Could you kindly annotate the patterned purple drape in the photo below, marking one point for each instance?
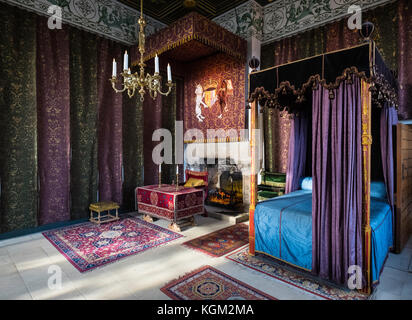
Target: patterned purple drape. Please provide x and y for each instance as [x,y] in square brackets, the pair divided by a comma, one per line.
[337,181]
[389,118]
[297,153]
[405,59]
[109,124]
[152,110]
[53,112]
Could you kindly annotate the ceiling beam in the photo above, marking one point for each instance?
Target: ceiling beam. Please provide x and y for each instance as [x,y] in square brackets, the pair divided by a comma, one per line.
[207,6]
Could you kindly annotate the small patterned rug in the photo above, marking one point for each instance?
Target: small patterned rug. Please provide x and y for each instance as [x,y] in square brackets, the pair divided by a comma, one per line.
[294,278]
[208,283]
[221,242]
[88,246]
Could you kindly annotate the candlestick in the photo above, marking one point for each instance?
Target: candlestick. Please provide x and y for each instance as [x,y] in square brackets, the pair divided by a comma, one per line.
[177,178]
[177,169]
[160,175]
[114,68]
[169,73]
[126,61]
[156,64]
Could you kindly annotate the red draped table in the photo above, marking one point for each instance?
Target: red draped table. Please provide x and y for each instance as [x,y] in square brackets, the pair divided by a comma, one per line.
[170,203]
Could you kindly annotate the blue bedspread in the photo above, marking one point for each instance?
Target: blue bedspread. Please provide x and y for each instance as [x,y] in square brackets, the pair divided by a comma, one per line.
[382,236]
[283,229]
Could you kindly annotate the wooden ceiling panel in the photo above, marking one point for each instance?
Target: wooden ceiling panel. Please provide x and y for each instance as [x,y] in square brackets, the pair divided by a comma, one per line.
[168,11]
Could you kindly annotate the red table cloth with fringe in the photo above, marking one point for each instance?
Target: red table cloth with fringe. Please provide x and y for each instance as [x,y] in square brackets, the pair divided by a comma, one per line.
[167,202]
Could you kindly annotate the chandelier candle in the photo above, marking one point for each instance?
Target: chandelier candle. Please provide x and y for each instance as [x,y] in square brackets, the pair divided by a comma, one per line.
[126,61]
[114,68]
[169,73]
[156,64]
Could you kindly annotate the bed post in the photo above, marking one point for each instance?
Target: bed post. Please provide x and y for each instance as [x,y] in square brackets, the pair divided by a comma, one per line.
[253,176]
[366,162]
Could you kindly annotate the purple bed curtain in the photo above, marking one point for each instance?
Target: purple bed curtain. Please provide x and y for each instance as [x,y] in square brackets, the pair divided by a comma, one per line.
[53,113]
[389,118]
[297,153]
[337,181]
[109,125]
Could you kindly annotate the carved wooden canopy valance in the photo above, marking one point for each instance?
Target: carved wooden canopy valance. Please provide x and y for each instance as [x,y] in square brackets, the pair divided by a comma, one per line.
[288,87]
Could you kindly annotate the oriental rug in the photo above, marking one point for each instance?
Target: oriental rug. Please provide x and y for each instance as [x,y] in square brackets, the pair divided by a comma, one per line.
[221,242]
[293,278]
[88,246]
[208,283]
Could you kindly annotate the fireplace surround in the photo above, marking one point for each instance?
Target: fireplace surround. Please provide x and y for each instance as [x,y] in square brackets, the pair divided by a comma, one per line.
[228,170]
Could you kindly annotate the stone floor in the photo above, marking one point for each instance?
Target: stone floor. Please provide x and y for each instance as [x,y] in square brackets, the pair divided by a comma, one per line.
[25,262]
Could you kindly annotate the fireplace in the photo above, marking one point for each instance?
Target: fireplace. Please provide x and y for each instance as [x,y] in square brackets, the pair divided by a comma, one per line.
[228,167]
[225,187]
[225,182]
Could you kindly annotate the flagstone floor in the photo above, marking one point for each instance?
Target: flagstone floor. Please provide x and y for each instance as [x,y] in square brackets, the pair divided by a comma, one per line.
[25,264]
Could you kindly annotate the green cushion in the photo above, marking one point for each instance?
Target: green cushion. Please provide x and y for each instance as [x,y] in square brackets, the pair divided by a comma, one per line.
[274,179]
[268,194]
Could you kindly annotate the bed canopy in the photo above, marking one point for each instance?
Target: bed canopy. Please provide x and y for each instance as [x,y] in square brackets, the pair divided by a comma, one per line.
[287,86]
[339,90]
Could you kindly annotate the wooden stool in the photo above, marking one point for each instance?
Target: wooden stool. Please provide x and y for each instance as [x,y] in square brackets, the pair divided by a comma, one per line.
[100,207]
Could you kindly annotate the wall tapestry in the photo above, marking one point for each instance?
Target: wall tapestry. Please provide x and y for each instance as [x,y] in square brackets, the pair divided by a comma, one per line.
[215,96]
[51,161]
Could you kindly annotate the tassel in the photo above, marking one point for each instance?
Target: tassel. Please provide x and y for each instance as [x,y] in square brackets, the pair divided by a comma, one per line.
[350,79]
[331,95]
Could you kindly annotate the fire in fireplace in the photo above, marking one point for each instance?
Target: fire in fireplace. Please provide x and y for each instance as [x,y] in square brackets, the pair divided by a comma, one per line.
[228,191]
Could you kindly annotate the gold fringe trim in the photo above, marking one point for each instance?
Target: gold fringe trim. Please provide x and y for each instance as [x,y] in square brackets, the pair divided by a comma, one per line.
[216,140]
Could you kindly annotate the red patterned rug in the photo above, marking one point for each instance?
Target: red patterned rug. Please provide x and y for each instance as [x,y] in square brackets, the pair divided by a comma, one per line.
[88,245]
[293,278]
[221,242]
[208,283]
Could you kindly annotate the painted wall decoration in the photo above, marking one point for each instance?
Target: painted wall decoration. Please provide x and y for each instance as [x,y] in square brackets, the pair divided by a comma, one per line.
[245,20]
[283,18]
[107,18]
[215,95]
[276,20]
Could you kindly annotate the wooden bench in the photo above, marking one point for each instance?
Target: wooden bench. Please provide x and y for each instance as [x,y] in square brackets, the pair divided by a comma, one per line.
[102,207]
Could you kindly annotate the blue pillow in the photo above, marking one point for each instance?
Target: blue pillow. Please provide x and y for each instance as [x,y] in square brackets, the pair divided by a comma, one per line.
[378,189]
[306,183]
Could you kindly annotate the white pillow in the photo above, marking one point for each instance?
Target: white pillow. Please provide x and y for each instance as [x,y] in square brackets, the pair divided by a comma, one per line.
[306,183]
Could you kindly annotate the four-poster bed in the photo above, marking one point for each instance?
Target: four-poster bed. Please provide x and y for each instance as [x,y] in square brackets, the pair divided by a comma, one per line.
[337,224]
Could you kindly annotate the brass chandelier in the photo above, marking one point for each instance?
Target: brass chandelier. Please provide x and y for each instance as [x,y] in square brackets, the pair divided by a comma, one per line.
[136,81]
